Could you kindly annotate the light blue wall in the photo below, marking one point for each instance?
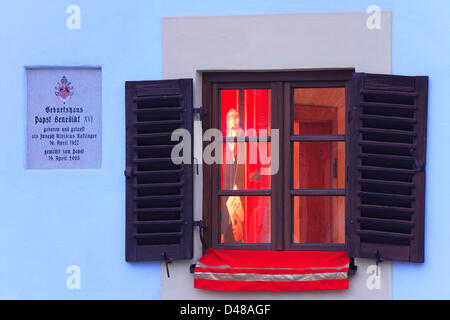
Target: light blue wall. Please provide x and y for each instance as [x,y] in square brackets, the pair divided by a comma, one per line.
[52,219]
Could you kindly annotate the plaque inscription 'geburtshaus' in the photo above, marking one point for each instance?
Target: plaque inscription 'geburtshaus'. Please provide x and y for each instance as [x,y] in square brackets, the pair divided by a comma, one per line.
[64,123]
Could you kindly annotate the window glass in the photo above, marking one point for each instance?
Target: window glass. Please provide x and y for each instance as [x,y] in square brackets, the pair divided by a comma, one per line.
[318,111]
[318,165]
[245,166]
[245,112]
[245,219]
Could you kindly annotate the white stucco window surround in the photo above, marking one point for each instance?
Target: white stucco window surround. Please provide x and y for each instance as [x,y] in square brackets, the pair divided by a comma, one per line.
[192,45]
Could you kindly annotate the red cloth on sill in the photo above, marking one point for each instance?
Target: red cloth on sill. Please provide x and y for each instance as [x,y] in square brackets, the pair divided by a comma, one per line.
[254,270]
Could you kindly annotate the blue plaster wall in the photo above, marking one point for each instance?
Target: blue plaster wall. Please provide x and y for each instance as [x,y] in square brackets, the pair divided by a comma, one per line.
[52,219]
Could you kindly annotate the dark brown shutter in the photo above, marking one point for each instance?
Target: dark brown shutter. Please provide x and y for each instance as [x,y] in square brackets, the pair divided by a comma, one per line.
[386,203]
[158,192]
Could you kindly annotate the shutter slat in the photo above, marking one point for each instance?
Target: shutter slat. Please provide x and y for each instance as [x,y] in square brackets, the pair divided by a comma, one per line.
[158,235]
[150,160]
[388,144]
[158,172]
[158,222]
[388,92]
[389,83]
[395,170]
[386,184]
[388,105]
[154,147]
[159,192]
[158,210]
[385,234]
[154,135]
[387,222]
[159,110]
[157,185]
[388,119]
[156,122]
[387,195]
[165,197]
[156,98]
[385,157]
[385,208]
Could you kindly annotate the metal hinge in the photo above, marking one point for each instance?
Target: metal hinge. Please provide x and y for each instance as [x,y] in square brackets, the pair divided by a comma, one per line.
[199,111]
[377,259]
[128,172]
[200,226]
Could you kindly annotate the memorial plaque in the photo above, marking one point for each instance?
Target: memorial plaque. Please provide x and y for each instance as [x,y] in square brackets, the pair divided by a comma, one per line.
[64,119]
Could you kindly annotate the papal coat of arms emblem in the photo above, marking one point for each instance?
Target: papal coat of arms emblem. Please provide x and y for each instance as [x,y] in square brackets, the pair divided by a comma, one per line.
[64,90]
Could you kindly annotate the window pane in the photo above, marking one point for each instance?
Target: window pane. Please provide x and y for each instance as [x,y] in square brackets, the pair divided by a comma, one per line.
[245,166]
[318,165]
[245,110]
[319,111]
[245,219]
[318,219]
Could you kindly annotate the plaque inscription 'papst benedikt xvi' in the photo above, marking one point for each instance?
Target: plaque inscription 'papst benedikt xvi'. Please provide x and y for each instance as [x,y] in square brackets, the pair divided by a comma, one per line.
[64,118]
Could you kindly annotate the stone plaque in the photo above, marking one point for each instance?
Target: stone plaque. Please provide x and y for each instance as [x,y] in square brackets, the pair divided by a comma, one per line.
[64,118]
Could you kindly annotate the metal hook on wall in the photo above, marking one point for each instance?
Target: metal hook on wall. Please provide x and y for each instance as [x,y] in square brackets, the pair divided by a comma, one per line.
[167,261]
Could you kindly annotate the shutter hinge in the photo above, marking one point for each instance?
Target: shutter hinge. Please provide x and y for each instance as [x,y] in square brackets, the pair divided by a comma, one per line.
[199,111]
[200,226]
[377,259]
[349,114]
[128,172]
[352,267]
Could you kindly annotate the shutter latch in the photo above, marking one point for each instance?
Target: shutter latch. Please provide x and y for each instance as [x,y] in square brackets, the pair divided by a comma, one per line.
[199,111]
[167,261]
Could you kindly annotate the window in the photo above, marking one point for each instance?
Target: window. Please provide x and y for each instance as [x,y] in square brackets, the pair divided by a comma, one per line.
[315,162]
[346,178]
[302,206]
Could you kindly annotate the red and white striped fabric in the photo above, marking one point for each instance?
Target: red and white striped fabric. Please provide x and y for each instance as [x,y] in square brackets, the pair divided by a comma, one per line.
[250,270]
